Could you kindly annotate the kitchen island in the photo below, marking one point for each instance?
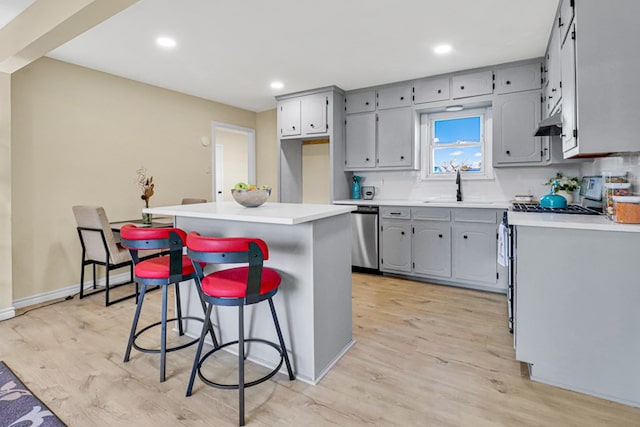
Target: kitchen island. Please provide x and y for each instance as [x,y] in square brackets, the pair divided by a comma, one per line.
[576,303]
[310,246]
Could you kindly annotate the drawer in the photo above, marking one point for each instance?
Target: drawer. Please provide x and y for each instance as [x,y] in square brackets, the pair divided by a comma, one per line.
[395,212]
[432,214]
[360,102]
[489,216]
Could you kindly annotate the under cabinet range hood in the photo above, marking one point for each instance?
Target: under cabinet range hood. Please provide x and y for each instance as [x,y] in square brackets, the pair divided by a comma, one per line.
[552,125]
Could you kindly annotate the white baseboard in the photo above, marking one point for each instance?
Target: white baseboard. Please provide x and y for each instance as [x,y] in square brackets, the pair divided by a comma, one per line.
[62,292]
[7,313]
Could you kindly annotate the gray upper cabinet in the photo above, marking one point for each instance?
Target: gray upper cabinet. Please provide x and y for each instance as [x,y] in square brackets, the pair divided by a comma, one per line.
[395,137]
[568,67]
[303,116]
[515,118]
[473,84]
[431,90]
[565,19]
[394,97]
[600,78]
[552,93]
[360,102]
[519,78]
[314,114]
[289,115]
[360,141]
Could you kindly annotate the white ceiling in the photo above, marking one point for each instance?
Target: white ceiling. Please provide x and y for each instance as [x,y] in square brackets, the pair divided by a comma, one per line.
[229,51]
[9,9]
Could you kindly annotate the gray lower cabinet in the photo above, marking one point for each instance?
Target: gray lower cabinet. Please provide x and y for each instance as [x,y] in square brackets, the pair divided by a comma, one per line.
[395,245]
[474,253]
[432,248]
[451,246]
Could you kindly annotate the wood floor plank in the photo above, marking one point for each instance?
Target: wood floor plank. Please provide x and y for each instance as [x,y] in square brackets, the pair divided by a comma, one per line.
[426,355]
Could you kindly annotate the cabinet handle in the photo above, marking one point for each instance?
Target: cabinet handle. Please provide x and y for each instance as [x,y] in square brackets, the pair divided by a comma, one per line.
[402,232]
[461,87]
[312,125]
[508,152]
[401,157]
[508,82]
[439,90]
[440,236]
[465,236]
[395,213]
[402,98]
[550,96]
[293,127]
[553,89]
[366,160]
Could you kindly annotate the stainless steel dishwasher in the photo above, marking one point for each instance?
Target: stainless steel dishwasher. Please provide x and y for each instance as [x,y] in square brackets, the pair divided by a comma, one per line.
[364,238]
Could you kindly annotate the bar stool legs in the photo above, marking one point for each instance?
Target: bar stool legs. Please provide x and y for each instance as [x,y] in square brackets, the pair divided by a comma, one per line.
[134,334]
[241,385]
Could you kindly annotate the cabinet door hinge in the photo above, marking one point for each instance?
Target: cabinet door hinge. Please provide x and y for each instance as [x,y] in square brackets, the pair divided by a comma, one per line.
[381,261]
[327,100]
[327,126]
[413,230]
[572,3]
[381,228]
[345,121]
[493,85]
[573,35]
[413,265]
[497,276]
[575,133]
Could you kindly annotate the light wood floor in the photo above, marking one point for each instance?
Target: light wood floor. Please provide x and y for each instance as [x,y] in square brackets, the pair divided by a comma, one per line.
[425,355]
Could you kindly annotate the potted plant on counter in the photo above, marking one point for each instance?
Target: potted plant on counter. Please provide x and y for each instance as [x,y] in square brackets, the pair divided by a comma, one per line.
[565,185]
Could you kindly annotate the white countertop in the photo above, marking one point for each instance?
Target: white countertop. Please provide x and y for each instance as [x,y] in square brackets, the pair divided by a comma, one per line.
[581,222]
[269,213]
[436,203]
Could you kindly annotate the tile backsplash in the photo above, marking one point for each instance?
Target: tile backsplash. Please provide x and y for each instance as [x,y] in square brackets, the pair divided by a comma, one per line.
[507,182]
[625,163]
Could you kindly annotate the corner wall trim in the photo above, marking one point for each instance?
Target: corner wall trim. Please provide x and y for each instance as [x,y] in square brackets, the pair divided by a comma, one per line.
[7,313]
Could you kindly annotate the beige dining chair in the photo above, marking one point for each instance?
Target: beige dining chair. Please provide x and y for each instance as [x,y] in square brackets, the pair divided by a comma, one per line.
[99,247]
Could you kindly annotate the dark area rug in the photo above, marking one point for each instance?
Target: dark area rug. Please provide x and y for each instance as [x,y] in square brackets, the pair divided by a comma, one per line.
[19,407]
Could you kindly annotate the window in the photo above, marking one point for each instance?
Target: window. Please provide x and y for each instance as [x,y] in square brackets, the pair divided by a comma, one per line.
[453,141]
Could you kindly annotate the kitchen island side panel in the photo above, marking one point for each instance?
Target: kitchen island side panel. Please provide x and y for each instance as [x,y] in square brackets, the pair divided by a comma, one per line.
[292,252]
[332,290]
[577,317]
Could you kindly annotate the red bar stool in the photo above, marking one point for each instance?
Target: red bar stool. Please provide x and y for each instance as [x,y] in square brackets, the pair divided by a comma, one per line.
[161,271]
[238,286]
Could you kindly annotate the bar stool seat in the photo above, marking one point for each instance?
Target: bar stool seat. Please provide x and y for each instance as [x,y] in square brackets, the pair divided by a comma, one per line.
[236,286]
[162,271]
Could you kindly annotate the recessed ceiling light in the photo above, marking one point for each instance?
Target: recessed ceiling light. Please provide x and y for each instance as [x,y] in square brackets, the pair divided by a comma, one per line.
[277,85]
[166,42]
[443,48]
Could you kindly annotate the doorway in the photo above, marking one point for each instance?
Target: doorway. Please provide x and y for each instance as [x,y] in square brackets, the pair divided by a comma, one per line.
[233,158]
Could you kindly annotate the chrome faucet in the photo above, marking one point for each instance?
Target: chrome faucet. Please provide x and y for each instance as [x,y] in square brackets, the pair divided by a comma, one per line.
[458,188]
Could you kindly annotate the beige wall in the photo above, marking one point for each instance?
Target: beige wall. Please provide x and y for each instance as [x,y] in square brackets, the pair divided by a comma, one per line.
[6,292]
[315,173]
[267,151]
[78,137]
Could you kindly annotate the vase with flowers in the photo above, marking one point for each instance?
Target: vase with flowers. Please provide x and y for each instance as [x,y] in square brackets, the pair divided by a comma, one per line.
[564,185]
[146,186]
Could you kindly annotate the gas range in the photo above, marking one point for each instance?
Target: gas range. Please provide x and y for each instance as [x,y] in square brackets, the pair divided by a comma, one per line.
[536,208]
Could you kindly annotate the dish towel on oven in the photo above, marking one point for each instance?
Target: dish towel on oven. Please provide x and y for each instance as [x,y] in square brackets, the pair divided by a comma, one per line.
[503,238]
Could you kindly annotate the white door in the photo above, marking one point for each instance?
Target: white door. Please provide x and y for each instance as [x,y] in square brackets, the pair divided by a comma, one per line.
[233,159]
